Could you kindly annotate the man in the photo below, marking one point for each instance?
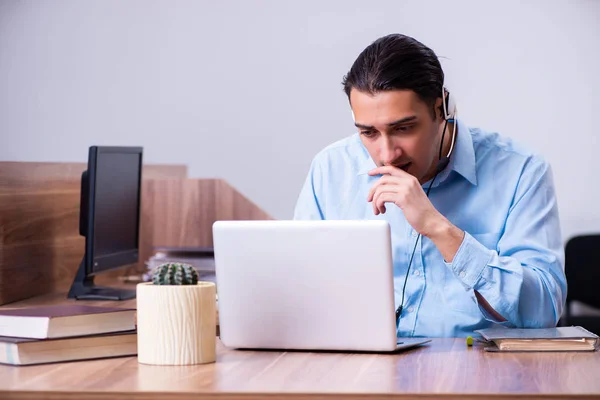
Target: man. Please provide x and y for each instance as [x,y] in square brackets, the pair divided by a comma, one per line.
[476,241]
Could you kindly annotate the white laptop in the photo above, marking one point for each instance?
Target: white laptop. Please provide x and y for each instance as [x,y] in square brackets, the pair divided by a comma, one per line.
[306,285]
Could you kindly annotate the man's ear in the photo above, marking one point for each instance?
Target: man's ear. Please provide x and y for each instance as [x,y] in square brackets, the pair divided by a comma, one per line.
[439,110]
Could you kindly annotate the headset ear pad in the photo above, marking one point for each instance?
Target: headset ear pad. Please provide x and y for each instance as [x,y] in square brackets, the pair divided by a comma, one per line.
[450,105]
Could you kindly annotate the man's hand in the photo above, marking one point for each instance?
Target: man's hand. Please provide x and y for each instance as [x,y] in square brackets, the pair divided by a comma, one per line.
[405,191]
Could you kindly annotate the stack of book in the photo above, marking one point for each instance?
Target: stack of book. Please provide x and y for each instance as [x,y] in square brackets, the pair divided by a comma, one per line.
[48,334]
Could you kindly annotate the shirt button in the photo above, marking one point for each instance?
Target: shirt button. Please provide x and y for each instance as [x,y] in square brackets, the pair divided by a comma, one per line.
[410,309]
[416,272]
[462,274]
[414,233]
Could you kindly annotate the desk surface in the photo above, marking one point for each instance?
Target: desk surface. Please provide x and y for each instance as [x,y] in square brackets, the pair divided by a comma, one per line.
[444,367]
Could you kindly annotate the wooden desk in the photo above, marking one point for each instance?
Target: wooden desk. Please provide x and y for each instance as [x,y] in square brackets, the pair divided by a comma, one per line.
[444,368]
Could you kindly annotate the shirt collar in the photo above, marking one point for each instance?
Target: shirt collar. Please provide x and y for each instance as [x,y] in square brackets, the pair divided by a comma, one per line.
[462,159]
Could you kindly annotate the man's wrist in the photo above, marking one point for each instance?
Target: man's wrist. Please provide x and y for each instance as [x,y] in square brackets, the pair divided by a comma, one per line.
[447,238]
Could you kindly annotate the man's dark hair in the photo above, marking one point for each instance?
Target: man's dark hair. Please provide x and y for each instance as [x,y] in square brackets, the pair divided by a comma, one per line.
[397,62]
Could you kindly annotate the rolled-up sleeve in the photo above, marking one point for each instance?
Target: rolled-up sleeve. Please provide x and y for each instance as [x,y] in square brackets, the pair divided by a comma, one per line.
[523,279]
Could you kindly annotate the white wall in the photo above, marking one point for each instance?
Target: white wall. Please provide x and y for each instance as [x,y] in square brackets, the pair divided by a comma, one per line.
[250,90]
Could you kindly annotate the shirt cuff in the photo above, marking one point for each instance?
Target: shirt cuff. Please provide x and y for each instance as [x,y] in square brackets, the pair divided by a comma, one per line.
[470,260]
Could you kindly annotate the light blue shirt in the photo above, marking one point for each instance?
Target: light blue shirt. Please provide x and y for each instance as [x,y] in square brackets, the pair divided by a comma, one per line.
[500,194]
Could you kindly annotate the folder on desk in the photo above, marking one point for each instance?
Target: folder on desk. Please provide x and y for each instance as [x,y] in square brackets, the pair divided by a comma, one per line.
[567,338]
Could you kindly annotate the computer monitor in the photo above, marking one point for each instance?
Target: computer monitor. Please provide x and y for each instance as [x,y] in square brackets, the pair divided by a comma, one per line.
[109,219]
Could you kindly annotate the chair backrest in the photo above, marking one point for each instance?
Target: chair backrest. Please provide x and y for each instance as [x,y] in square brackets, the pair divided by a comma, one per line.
[582,268]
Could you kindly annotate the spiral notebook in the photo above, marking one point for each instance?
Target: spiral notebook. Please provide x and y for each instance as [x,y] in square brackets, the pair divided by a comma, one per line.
[565,338]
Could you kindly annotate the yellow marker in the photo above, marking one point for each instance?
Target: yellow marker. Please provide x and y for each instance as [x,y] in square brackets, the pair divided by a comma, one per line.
[469,341]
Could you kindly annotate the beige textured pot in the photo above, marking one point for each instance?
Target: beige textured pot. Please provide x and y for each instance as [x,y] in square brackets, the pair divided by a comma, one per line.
[176,324]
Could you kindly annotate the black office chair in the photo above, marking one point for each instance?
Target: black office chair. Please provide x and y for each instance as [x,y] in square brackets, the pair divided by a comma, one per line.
[582,268]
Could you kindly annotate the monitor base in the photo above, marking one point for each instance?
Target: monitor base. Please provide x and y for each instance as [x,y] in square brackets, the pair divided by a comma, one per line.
[83,288]
[106,293]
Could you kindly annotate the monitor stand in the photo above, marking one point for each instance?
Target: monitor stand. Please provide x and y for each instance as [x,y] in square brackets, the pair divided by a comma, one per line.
[83,288]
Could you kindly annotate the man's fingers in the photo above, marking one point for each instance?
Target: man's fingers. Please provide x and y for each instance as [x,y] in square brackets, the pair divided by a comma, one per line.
[384,180]
[386,197]
[389,191]
[389,170]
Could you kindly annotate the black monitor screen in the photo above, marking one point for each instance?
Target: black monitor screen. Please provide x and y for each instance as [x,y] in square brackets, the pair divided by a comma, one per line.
[116,203]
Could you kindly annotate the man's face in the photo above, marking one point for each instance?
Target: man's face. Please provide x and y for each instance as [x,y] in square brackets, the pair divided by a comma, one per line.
[398,129]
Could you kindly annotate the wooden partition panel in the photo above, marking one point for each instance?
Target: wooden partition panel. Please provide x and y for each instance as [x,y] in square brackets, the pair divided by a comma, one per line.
[180,212]
[40,244]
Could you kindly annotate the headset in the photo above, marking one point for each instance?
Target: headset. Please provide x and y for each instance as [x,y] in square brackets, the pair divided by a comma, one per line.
[450,115]
[450,112]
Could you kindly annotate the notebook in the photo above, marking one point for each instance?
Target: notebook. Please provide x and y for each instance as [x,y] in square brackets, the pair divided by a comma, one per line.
[21,351]
[57,321]
[565,338]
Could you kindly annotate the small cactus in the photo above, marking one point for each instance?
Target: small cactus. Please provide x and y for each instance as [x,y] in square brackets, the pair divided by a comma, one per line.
[175,274]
